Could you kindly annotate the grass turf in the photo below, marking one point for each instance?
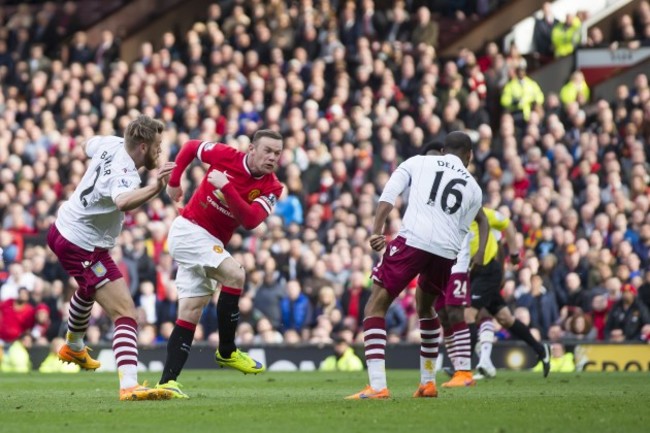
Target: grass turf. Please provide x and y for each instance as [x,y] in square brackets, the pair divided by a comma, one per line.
[227,401]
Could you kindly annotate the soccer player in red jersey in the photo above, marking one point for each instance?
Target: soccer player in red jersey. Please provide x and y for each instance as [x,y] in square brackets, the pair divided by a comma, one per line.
[84,232]
[239,189]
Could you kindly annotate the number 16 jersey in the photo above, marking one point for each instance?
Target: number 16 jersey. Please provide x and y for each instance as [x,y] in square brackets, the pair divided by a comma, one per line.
[442,202]
[90,219]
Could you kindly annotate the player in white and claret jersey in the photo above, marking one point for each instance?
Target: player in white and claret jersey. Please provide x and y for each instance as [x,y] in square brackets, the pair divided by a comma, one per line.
[84,232]
[443,201]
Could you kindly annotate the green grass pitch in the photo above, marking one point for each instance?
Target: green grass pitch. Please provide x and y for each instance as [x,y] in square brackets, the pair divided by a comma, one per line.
[227,401]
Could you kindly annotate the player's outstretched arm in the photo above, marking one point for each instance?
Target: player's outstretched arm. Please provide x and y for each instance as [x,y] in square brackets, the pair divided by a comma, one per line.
[483,231]
[136,198]
[183,159]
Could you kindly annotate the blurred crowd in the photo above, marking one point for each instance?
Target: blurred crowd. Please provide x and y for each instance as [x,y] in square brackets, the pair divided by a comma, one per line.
[354,91]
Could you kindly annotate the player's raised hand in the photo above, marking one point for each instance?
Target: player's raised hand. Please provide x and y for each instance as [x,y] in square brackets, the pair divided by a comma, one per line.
[162,176]
[377,242]
[218,178]
[175,193]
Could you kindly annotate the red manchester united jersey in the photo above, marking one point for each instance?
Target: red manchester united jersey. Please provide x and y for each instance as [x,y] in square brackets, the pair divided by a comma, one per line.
[208,207]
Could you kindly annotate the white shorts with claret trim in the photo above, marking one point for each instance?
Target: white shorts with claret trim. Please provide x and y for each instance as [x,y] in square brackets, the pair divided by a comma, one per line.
[195,249]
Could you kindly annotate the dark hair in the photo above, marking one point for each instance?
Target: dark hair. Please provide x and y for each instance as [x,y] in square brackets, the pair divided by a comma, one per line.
[433,146]
[142,129]
[458,143]
[266,133]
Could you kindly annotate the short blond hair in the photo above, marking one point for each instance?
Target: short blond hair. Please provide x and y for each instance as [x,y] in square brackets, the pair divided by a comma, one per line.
[142,129]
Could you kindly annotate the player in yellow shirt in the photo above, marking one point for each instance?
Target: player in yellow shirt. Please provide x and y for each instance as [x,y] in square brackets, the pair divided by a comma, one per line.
[487,301]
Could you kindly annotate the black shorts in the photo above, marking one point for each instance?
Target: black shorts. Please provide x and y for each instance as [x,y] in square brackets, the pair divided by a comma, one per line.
[485,284]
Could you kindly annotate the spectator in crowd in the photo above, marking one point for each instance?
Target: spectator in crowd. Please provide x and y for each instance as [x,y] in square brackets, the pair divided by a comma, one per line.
[269,294]
[565,36]
[561,360]
[17,316]
[521,95]
[16,358]
[52,363]
[107,52]
[541,304]
[343,359]
[295,308]
[543,47]
[426,30]
[627,317]
[576,90]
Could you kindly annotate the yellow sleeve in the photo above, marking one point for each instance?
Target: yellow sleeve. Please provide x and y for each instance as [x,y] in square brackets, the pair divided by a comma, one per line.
[557,35]
[506,96]
[497,220]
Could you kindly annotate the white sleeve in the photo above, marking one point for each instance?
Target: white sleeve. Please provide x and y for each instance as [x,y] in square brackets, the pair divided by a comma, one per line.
[462,261]
[92,145]
[120,184]
[398,182]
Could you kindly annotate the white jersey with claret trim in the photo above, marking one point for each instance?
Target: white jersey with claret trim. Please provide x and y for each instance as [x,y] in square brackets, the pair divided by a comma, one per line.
[442,202]
[90,219]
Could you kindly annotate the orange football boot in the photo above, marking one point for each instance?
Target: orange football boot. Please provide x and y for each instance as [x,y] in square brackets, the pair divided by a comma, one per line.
[369,394]
[426,390]
[81,358]
[460,379]
[142,392]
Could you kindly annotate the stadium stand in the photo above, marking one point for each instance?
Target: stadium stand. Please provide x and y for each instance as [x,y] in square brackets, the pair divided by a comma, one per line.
[352,100]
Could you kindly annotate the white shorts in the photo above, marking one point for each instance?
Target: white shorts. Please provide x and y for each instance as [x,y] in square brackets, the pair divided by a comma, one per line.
[195,249]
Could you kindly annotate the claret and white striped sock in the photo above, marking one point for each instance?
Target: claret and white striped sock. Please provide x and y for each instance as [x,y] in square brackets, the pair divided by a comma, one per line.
[429,346]
[78,318]
[125,349]
[374,340]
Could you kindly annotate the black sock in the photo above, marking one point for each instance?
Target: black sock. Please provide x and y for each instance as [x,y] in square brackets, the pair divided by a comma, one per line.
[473,336]
[227,317]
[522,332]
[178,349]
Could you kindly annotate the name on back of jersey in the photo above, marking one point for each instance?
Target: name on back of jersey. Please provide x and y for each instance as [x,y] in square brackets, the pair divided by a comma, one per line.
[460,170]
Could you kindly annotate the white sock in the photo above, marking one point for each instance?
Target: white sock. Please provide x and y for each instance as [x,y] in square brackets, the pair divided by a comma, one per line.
[486,338]
[439,362]
[486,352]
[128,375]
[427,370]
[377,373]
[75,340]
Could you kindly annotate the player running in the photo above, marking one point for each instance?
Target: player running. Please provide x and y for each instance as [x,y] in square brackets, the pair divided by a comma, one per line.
[443,200]
[85,231]
[487,301]
[239,189]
